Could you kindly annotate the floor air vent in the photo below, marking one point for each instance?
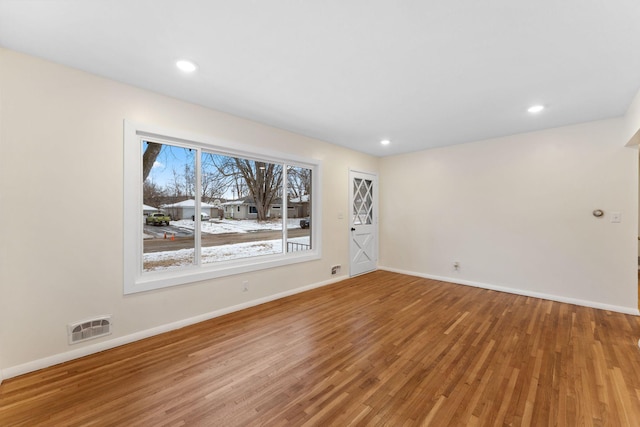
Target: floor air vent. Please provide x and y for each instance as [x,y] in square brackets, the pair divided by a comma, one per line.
[89,329]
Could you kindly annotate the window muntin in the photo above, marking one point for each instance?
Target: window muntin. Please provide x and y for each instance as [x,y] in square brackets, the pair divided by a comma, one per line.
[207,186]
[362,209]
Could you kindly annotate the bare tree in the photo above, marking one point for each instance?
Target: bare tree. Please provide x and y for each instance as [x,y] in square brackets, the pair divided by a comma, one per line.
[183,177]
[177,185]
[298,181]
[263,181]
[189,180]
[213,186]
[227,172]
[153,194]
[216,177]
[149,158]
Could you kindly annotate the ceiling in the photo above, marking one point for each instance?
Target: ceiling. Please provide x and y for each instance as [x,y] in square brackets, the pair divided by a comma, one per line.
[422,73]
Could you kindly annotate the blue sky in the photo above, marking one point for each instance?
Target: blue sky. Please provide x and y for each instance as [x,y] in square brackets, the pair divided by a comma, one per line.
[170,158]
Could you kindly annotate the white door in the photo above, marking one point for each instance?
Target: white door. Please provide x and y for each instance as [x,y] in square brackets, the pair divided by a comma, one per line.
[363,222]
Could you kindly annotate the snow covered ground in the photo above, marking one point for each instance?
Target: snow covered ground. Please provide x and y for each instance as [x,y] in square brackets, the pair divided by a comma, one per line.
[217,226]
[157,261]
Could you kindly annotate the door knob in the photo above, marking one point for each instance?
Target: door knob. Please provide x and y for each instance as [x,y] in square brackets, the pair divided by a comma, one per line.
[353,229]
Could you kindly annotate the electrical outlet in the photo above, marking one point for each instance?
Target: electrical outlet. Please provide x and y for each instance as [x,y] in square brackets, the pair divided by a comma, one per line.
[456,265]
[245,286]
[335,269]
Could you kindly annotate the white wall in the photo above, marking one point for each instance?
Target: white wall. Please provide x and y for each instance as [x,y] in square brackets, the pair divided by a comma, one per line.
[632,121]
[516,212]
[632,129]
[3,246]
[62,147]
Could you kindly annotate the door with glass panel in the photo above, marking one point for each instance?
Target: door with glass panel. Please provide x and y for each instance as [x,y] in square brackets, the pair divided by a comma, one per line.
[363,222]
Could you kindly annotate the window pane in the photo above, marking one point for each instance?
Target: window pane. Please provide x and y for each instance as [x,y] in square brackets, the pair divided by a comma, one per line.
[362,201]
[298,209]
[246,223]
[168,201]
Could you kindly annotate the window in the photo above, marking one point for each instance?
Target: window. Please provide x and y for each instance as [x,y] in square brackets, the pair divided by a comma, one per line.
[362,201]
[196,208]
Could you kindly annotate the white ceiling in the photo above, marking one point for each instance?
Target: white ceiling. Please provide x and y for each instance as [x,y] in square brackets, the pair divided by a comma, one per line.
[423,73]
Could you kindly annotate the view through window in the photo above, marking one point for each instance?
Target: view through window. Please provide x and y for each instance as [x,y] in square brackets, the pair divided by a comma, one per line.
[202,207]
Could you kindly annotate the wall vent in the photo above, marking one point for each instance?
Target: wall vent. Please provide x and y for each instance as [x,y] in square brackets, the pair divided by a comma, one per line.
[89,329]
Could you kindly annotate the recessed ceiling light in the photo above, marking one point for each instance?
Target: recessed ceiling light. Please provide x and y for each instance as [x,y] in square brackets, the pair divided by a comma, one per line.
[385,142]
[186,66]
[535,108]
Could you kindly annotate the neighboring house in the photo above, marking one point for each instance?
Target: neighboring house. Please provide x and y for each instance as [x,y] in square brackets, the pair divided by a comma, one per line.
[301,206]
[146,210]
[245,208]
[275,211]
[186,209]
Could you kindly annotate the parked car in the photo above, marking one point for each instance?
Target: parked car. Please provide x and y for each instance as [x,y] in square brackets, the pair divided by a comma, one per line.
[304,223]
[203,217]
[158,218]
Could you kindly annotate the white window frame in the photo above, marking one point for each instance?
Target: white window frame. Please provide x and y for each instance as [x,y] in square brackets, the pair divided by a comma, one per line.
[135,280]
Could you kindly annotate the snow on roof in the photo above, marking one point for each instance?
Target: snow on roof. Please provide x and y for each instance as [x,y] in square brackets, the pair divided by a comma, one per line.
[188,204]
[249,201]
[303,199]
[244,201]
[148,208]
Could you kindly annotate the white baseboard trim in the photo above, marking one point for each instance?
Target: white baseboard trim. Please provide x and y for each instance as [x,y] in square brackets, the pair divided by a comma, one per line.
[558,298]
[56,359]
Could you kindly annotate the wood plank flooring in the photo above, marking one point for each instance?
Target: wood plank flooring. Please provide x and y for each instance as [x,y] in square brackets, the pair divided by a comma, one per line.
[379,349]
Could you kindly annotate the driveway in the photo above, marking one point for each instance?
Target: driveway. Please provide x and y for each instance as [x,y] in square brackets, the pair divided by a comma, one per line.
[157,231]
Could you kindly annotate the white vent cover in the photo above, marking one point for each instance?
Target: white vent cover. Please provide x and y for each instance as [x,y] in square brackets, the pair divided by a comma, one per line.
[89,329]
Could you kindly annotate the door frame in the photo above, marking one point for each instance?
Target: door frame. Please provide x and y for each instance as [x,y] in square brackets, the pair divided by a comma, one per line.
[376,232]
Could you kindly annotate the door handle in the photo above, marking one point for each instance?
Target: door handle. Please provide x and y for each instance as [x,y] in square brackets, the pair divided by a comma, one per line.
[353,229]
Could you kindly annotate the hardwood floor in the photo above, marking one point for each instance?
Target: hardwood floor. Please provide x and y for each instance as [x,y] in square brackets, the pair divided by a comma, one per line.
[379,349]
